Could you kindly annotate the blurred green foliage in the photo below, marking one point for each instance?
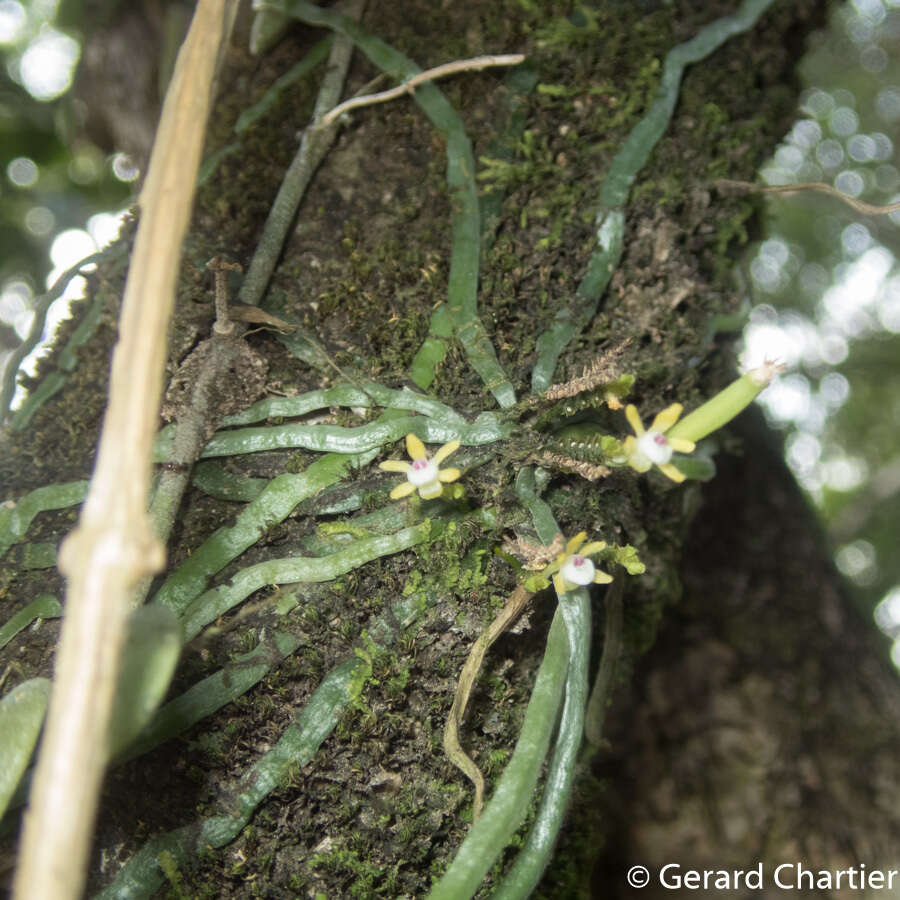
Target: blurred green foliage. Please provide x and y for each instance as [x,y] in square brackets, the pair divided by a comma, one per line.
[75,178]
[832,277]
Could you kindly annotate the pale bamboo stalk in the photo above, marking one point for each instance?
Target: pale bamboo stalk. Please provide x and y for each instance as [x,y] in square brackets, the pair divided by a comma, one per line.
[114,543]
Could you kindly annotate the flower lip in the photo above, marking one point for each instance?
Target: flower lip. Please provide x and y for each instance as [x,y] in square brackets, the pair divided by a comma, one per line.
[578,570]
[422,472]
[655,447]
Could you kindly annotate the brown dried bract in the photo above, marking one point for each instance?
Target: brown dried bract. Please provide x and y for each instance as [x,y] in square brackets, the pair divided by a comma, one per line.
[603,370]
[534,556]
[584,469]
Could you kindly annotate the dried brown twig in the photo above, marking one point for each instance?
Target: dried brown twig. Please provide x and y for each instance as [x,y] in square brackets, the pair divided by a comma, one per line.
[867,209]
[512,609]
[408,86]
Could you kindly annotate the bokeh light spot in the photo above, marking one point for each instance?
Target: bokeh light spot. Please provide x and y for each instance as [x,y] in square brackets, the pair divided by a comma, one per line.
[22,172]
[819,104]
[844,473]
[830,153]
[12,21]
[857,561]
[862,148]
[887,613]
[15,305]
[68,247]
[124,168]
[39,221]
[887,104]
[48,63]
[873,59]
[835,389]
[843,121]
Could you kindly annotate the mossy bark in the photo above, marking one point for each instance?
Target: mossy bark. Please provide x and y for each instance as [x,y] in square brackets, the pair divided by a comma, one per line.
[754,711]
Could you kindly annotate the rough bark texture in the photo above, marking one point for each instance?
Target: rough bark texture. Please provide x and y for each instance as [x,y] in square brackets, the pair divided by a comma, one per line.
[761,728]
[756,710]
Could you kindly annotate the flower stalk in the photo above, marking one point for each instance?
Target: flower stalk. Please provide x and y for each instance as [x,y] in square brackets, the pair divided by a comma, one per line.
[722,408]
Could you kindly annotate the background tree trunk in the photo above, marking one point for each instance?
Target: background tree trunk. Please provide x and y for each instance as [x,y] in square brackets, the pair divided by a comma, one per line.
[761,726]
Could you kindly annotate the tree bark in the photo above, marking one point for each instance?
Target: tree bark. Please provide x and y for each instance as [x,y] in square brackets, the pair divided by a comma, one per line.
[756,710]
[760,729]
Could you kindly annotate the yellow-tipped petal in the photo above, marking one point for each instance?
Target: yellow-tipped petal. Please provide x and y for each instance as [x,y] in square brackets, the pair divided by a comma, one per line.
[415,448]
[671,472]
[555,566]
[402,490]
[573,545]
[593,547]
[559,583]
[681,445]
[445,451]
[448,475]
[602,577]
[667,418]
[394,465]
[630,447]
[634,419]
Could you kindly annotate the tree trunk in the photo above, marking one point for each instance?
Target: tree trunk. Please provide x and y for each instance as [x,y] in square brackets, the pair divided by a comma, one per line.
[760,728]
[755,709]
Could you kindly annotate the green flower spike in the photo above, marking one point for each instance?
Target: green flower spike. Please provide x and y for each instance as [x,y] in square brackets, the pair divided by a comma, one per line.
[572,568]
[722,408]
[650,448]
[422,474]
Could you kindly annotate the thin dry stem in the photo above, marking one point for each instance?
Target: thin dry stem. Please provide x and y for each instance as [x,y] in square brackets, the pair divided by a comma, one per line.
[198,418]
[512,609]
[314,146]
[114,544]
[220,267]
[867,209]
[408,86]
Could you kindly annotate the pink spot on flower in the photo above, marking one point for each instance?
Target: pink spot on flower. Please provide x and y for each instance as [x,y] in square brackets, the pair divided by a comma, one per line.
[419,464]
[660,440]
[578,560]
